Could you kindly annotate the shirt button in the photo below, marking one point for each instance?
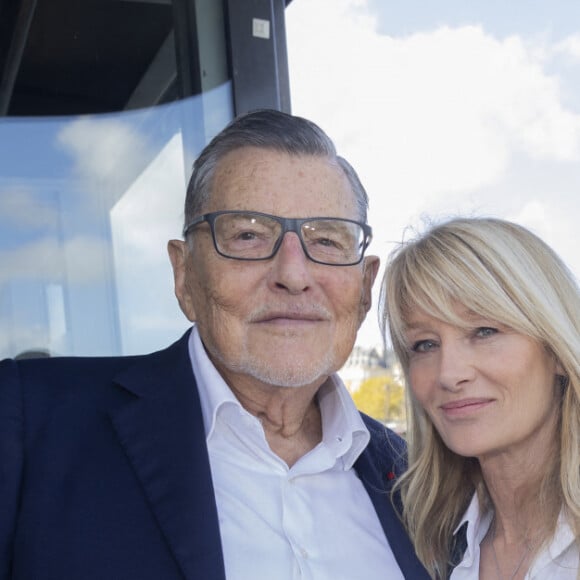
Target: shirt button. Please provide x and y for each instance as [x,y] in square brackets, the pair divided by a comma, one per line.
[304,553]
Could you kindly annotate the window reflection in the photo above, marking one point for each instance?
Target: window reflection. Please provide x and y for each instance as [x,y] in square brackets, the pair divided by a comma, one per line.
[97,147]
[83,231]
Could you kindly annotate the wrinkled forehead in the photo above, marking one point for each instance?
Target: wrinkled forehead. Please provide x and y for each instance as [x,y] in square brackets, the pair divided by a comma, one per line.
[283,184]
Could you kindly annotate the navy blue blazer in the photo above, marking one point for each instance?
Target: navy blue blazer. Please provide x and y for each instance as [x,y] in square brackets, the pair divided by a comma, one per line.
[104,472]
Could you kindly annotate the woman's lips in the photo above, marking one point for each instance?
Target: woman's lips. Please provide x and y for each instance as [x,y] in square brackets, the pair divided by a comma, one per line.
[465,407]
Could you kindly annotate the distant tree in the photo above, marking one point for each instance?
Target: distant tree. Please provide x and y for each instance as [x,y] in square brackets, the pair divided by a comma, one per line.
[381,397]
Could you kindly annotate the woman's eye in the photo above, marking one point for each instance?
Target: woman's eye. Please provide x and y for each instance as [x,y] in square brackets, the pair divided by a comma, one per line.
[423,346]
[485,331]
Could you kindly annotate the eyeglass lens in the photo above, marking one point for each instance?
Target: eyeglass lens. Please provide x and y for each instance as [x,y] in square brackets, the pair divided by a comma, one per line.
[251,237]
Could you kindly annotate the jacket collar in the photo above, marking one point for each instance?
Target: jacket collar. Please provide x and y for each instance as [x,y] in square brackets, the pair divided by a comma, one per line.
[161,430]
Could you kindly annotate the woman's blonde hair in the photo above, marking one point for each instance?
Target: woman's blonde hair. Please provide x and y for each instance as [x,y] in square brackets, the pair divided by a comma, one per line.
[503,272]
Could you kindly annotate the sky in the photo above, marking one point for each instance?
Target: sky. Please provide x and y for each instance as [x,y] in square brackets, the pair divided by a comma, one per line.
[447,108]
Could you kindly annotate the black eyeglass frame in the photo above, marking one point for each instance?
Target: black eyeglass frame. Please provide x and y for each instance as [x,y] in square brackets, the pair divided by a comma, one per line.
[288,225]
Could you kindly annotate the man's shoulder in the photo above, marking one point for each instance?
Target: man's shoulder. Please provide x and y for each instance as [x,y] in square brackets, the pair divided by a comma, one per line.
[81,374]
[380,433]
[385,446]
[46,367]
[66,369]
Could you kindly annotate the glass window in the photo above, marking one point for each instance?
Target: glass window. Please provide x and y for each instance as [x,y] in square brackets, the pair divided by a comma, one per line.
[105,104]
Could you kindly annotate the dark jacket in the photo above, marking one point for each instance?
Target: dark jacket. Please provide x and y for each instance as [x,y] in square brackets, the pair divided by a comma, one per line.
[104,472]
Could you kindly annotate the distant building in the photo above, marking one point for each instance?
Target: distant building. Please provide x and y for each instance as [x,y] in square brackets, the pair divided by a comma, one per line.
[383,395]
[364,363]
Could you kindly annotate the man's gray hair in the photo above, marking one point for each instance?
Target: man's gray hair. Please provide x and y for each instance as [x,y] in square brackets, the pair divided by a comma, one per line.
[266,129]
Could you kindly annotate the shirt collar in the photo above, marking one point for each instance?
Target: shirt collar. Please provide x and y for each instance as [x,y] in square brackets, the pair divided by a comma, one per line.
[563,538]
[206,375]
[343,430]
[477,526]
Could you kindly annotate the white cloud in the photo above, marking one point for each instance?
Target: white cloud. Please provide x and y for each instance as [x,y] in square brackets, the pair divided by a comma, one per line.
[437,111]
[551,223]
[151,210]
[18,205]
[442,122]
[149,213]
[570,46]
[80,259]
[107,152]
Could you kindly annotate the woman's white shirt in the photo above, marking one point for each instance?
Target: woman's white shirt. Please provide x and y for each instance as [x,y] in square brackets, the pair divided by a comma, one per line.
[560,559]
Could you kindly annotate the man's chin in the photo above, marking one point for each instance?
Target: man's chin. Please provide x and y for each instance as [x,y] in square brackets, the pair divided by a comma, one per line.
[292,373]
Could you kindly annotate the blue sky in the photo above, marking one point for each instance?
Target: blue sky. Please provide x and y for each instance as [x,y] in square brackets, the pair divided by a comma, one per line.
[527,17]
[446,108]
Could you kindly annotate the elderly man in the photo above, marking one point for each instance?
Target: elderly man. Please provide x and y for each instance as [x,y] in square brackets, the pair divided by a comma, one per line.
[237,452]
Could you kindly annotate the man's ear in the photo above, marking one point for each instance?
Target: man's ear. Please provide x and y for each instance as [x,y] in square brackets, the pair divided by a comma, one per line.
[179,255]
[370,269]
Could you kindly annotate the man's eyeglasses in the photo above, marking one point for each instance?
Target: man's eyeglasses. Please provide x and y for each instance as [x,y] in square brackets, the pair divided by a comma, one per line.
[249,235]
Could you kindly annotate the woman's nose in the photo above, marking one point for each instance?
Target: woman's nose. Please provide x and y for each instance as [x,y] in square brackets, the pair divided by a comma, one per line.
[456,365]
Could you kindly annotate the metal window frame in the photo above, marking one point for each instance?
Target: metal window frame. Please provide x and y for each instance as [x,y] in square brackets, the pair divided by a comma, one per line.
[259,66]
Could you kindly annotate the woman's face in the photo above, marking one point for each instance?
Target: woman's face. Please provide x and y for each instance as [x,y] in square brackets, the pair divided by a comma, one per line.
[487,389]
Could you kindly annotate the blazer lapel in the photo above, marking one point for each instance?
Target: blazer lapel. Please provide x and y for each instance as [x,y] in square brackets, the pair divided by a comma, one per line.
[162,432]
[378,466]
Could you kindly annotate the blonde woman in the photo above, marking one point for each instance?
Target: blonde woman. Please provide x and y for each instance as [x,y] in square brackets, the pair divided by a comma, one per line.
[485,320]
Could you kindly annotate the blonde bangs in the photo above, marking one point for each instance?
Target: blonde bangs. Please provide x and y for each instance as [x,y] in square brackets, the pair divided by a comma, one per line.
[436,275]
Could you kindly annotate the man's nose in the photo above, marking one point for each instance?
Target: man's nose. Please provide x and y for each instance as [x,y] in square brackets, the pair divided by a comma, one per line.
[291,266]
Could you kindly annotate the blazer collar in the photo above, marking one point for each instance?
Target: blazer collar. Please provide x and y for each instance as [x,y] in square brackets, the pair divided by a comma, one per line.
[161,430]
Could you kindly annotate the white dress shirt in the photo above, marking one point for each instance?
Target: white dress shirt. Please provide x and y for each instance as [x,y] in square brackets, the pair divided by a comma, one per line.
[311,521]
[558,561]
